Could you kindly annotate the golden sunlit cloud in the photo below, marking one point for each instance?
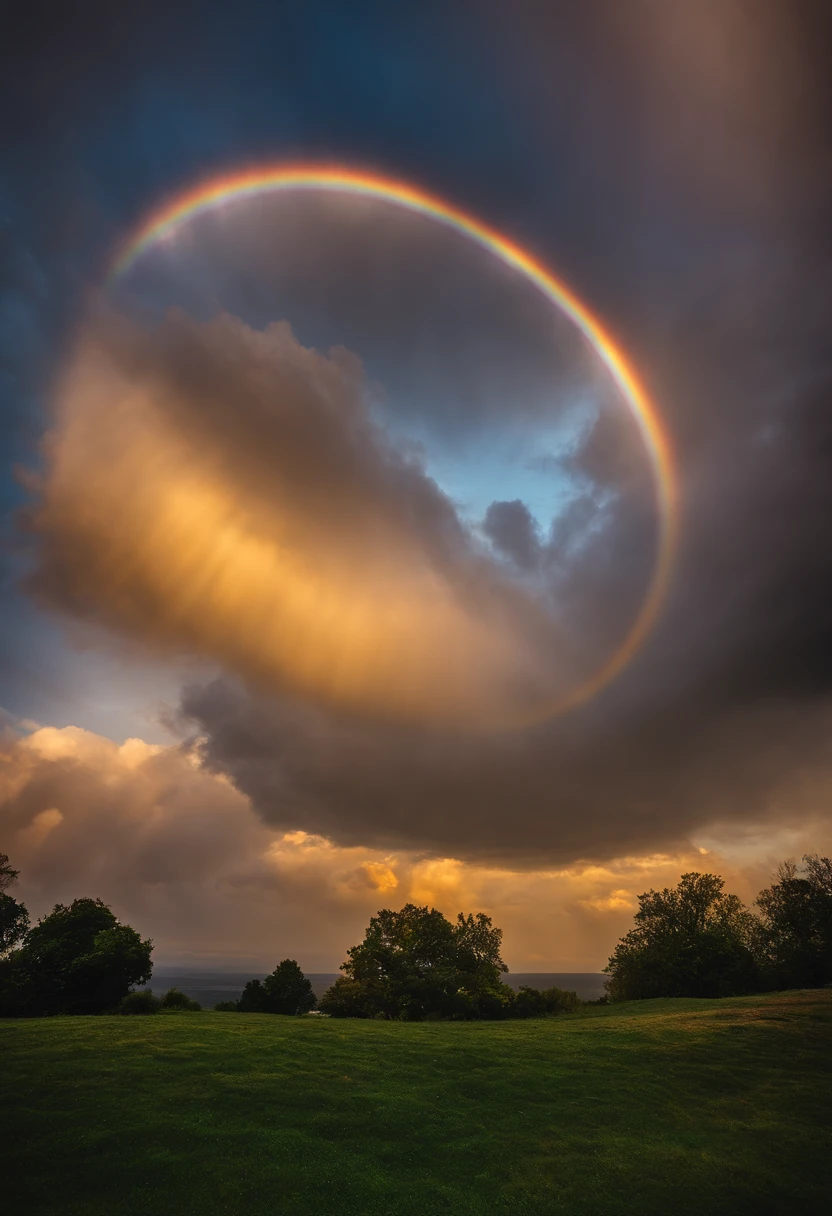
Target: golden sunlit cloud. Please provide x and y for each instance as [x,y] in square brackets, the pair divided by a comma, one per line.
[180,853]
[223,491]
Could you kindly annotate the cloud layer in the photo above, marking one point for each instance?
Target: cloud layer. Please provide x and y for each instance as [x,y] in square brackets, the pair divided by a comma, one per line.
[224,491]
[181,855]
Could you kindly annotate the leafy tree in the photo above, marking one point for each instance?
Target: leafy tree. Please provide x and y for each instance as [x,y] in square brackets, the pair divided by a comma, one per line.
[14,924]
[79,959]
[796,925]
[174,999]
[689,940]
[14,919]
[415,964]
[287,990]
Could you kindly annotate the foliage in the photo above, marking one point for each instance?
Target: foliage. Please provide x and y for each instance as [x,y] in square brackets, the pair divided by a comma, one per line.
[286,991]
[142,1001]
[680,1107]
[252,999]
[225,1007]
[174,999]
[14,919]
[8,876]
[534,1003]
[348,998]
[795,936]
[14,923]
[415,964]
[689,940]
[78,959]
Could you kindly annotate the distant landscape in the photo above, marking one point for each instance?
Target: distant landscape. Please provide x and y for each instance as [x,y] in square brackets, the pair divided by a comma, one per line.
[209,987]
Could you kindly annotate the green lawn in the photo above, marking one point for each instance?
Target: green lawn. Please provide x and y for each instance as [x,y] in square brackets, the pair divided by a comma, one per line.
[665,1107]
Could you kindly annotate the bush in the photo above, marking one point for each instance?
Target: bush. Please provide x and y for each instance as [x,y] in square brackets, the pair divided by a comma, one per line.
[348,999]
[534,1003]
[140,1002]
[174,999]
[226,1007]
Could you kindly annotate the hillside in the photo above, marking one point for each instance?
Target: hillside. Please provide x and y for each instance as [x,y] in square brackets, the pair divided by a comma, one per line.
[676,1106]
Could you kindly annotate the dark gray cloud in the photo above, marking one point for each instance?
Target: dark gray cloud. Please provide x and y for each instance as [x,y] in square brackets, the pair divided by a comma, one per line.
[511,528]
[672,161]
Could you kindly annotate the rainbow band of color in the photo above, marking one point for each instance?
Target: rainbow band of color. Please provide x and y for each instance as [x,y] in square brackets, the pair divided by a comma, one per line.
[342,180]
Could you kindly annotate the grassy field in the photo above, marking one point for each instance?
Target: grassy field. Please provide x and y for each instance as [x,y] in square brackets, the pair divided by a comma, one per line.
[665,1107]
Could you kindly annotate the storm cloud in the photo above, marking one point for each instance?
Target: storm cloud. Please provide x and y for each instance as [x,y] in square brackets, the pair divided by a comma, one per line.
[671,161]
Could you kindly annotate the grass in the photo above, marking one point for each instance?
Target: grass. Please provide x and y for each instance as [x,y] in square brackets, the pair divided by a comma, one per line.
[665,1107]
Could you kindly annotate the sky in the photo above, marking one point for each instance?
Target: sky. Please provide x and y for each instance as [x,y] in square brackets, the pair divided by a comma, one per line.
[338,570]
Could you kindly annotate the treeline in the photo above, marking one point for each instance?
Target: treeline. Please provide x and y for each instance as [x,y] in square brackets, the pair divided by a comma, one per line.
[696,940]
[413,964]
[692,940]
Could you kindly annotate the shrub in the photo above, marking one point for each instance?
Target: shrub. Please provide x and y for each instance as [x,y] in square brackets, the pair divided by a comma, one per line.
[348,999]
[534,1003]
[140,1002]
[174,999]
[225,1007]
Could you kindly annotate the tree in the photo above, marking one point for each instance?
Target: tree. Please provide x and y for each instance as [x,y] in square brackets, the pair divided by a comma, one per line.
[14,919]
[14,924]
[252,999]
[796,925]
[415,964]
[689,940]
[287,990]
[79,959]
[8,876]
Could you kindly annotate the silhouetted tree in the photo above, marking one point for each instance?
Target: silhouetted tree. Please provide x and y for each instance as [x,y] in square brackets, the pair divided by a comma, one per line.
[796,925]
[78,959]
[689,940]
[14,919]
[8,876]
[287,990]
[415,964]
[252,999]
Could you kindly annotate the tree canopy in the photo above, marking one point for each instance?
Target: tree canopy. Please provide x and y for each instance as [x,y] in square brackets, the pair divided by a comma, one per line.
[78,959]
[414,963]
[688,940]
[286,991]
[8,876]
[796,925]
